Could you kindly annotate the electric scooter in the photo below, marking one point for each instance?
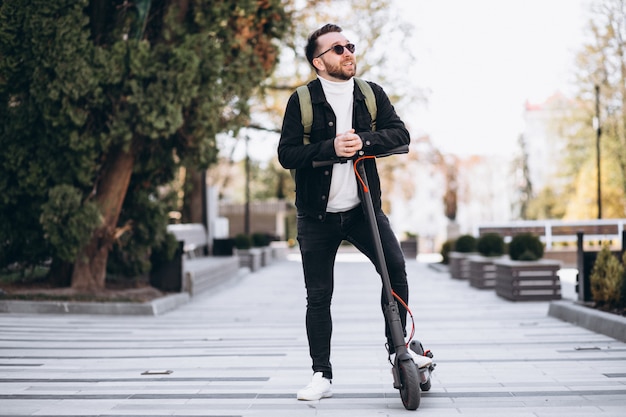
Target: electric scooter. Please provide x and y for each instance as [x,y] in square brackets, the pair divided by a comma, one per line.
[408,377]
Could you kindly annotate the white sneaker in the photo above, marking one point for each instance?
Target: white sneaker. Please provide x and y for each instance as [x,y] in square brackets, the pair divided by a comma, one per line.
[317,389]
[420,360]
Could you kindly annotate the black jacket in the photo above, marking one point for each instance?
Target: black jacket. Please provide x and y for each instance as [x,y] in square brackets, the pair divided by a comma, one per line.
[313,184]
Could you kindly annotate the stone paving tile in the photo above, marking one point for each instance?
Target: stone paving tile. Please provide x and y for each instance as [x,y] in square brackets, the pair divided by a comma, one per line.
[241,351]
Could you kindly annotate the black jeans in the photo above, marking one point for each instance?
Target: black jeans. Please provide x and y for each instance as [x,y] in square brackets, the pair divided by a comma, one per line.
[319,242]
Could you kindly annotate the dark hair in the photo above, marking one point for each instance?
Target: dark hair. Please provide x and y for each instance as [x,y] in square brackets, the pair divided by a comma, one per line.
[311,45]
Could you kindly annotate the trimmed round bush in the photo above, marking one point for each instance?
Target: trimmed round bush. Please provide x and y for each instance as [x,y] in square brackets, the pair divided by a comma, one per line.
[260,240]
[243,241]
[465,244]
[445,251]
[525,247]
[490,244]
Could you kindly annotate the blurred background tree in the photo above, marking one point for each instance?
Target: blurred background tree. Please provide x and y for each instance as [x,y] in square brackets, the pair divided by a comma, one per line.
[600,63]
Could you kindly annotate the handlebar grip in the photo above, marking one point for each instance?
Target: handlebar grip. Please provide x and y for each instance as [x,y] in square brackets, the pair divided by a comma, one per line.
[395,151]
[317,164]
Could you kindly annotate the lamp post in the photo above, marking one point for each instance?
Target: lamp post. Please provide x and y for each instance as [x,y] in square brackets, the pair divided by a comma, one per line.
[598,128]
[247,204]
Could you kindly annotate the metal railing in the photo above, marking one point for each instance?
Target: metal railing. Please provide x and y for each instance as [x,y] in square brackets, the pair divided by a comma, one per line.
[552,231]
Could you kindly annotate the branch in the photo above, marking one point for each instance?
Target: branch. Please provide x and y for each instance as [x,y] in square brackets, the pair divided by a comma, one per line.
[282,87]
[265,129]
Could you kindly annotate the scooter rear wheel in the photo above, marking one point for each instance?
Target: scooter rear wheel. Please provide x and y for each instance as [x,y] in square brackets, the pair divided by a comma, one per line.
[409,388]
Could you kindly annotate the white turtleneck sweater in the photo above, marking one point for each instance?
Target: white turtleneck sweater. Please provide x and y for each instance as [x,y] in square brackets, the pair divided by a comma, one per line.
[343,194]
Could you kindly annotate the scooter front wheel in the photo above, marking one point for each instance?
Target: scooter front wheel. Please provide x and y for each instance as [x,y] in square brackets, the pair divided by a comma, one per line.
[409,384]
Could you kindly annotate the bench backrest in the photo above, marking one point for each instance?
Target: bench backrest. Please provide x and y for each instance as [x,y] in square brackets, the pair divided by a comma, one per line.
[193,236]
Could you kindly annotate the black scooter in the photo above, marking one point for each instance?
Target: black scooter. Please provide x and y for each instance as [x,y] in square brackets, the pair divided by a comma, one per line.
[407,376]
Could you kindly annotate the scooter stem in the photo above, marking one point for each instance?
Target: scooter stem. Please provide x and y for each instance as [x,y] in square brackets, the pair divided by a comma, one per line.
[392,313]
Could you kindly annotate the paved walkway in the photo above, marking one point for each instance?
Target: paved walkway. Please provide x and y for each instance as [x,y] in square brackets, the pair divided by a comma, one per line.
[242,351]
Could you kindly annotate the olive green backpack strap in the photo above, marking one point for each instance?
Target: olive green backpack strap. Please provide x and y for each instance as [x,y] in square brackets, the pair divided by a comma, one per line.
[370,100]
[306,110]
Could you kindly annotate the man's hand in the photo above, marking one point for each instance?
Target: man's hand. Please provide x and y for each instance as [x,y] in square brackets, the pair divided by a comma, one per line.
[347,144]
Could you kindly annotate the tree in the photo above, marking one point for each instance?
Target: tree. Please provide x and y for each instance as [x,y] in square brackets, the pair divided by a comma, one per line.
[102,101]
[524,184]
[601,63]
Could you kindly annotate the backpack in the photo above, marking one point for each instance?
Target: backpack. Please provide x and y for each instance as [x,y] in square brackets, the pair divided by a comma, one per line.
[306,108]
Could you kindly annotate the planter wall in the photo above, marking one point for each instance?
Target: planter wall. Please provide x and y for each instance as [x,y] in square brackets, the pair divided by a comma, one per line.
[250,258]
[483,271]
[280,249]
[409,248]
[528,280]
[267,255]
[459,264]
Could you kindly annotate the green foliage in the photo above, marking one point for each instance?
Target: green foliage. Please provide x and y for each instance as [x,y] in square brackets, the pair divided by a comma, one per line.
[465,244]
[131,253]
[164,252]
[525,247]
[261,239]
[68,221]
[490,244]
[548,204]
[445,251]
[81,80]
[243,241]
[607,279]
[623,291]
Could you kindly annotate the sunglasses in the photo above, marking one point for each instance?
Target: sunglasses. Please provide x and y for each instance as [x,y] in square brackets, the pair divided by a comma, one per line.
[338,49]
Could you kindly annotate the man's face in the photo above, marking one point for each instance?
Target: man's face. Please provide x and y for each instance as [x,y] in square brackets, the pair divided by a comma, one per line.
[331,65]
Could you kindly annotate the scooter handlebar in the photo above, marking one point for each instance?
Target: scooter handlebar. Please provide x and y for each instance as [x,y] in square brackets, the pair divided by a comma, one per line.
[395,151]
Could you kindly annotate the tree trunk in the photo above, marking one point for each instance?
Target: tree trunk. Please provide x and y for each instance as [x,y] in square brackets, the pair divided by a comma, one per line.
[193,201]
[60,274]
[90,268]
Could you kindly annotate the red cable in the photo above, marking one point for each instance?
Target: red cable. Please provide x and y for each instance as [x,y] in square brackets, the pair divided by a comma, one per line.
[357,172]
[397,297]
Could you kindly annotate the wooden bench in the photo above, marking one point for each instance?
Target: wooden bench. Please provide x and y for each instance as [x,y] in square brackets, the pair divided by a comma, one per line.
[199,272]
[193,236]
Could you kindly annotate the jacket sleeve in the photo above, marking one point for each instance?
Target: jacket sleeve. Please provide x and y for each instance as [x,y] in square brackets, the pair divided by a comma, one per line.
[390,129]
[292,152]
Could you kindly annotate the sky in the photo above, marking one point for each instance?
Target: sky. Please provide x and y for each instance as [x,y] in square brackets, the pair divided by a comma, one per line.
[482,60]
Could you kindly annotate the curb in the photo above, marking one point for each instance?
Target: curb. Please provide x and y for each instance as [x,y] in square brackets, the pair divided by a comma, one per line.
[601,322]
[151,308]
[155,307]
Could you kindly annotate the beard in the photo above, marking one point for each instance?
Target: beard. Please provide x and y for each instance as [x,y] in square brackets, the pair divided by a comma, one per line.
[340,71]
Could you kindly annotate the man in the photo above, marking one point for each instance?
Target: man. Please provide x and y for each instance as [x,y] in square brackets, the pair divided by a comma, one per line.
[327,199]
